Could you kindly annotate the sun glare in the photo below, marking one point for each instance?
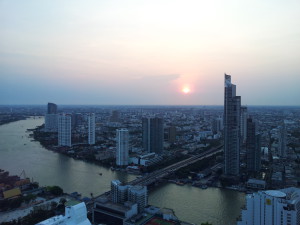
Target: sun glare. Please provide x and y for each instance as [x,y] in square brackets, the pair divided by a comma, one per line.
[186,90]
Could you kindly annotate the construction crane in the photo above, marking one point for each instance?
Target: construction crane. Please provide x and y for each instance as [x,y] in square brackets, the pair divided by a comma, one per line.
[24,174]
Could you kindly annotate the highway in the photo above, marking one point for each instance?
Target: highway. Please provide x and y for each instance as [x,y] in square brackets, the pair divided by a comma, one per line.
[159,174]
[162,173]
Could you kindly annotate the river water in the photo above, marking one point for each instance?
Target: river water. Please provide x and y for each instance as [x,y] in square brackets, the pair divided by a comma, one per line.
[19,152]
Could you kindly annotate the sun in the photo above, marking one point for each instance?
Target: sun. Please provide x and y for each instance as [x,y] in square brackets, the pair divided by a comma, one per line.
[186,90]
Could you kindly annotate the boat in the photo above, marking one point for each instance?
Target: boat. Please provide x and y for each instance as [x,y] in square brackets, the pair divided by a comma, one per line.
[180,183]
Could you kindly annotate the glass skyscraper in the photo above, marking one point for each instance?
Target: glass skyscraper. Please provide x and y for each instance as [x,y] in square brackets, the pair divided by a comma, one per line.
[232,112]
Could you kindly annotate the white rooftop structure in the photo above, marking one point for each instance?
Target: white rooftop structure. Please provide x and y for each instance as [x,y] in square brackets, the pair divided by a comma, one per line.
[272,207]
[74,215]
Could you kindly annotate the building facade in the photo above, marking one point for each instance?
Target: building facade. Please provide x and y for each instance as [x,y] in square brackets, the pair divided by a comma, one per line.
[74,215]
[232,107]
[172,134]
[243,126]
[51,108]
[122,193]
[273,207]
[91,128]
[153,134]
[51,118]
[122,152]
[253,146]
[139,195]
[64,130]
[217,125]
[282,141]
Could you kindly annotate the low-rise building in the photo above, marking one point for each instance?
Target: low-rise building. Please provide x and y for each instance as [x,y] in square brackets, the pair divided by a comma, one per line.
[74,215]
[256,184]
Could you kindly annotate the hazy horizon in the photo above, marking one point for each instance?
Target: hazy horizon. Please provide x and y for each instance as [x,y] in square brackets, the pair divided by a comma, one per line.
[170,52]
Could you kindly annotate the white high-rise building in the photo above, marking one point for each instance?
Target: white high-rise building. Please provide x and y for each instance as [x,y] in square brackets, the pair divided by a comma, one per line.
[91,128]
[139,195]
[274,207]
[122,147]
[64,130]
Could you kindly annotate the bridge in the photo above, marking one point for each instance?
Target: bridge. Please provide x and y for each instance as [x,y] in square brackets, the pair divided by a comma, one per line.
[162,173]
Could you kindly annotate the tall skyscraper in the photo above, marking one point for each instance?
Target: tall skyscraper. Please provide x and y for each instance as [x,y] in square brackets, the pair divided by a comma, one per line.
[253,145]
[244,116]
[232,110]
[122,147]
[172,134]
[91,128]
[274,207]
[64,130]
[153,134]
[282,140]
[51,118]
[115,116]
[52,108]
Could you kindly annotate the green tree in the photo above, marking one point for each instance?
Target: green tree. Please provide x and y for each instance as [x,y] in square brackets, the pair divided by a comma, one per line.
[55,190]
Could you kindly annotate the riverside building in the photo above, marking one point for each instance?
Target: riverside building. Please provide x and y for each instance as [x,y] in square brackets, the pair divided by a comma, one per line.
[232,109]
[153,135]
[253,146]
[51,118]
[122,152]
[123,203]
[64,130]
[273,207]
[74,215]
[91,128]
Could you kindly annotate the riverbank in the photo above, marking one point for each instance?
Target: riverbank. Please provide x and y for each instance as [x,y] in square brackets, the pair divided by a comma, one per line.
[8,118]
[47,167]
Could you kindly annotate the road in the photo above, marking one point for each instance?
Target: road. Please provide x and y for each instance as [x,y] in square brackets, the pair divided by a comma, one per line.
[159,174]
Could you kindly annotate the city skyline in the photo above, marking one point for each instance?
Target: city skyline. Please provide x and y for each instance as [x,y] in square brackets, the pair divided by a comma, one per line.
[148,53]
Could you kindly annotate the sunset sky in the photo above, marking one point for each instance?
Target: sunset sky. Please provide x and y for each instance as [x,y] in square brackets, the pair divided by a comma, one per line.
[171,52]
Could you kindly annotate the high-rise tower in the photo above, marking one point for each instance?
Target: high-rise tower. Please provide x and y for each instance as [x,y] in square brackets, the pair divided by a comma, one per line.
[282,140]
[153,134]
[253,145]
[122,147]
[51,118]
[243,126]
[91,128]
[52,108]
[64,130]
[232,107]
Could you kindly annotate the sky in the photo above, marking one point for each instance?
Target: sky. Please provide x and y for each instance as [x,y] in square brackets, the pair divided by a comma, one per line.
[158,52]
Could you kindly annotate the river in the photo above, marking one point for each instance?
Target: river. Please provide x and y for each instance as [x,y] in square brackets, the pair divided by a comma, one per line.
[19,152]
